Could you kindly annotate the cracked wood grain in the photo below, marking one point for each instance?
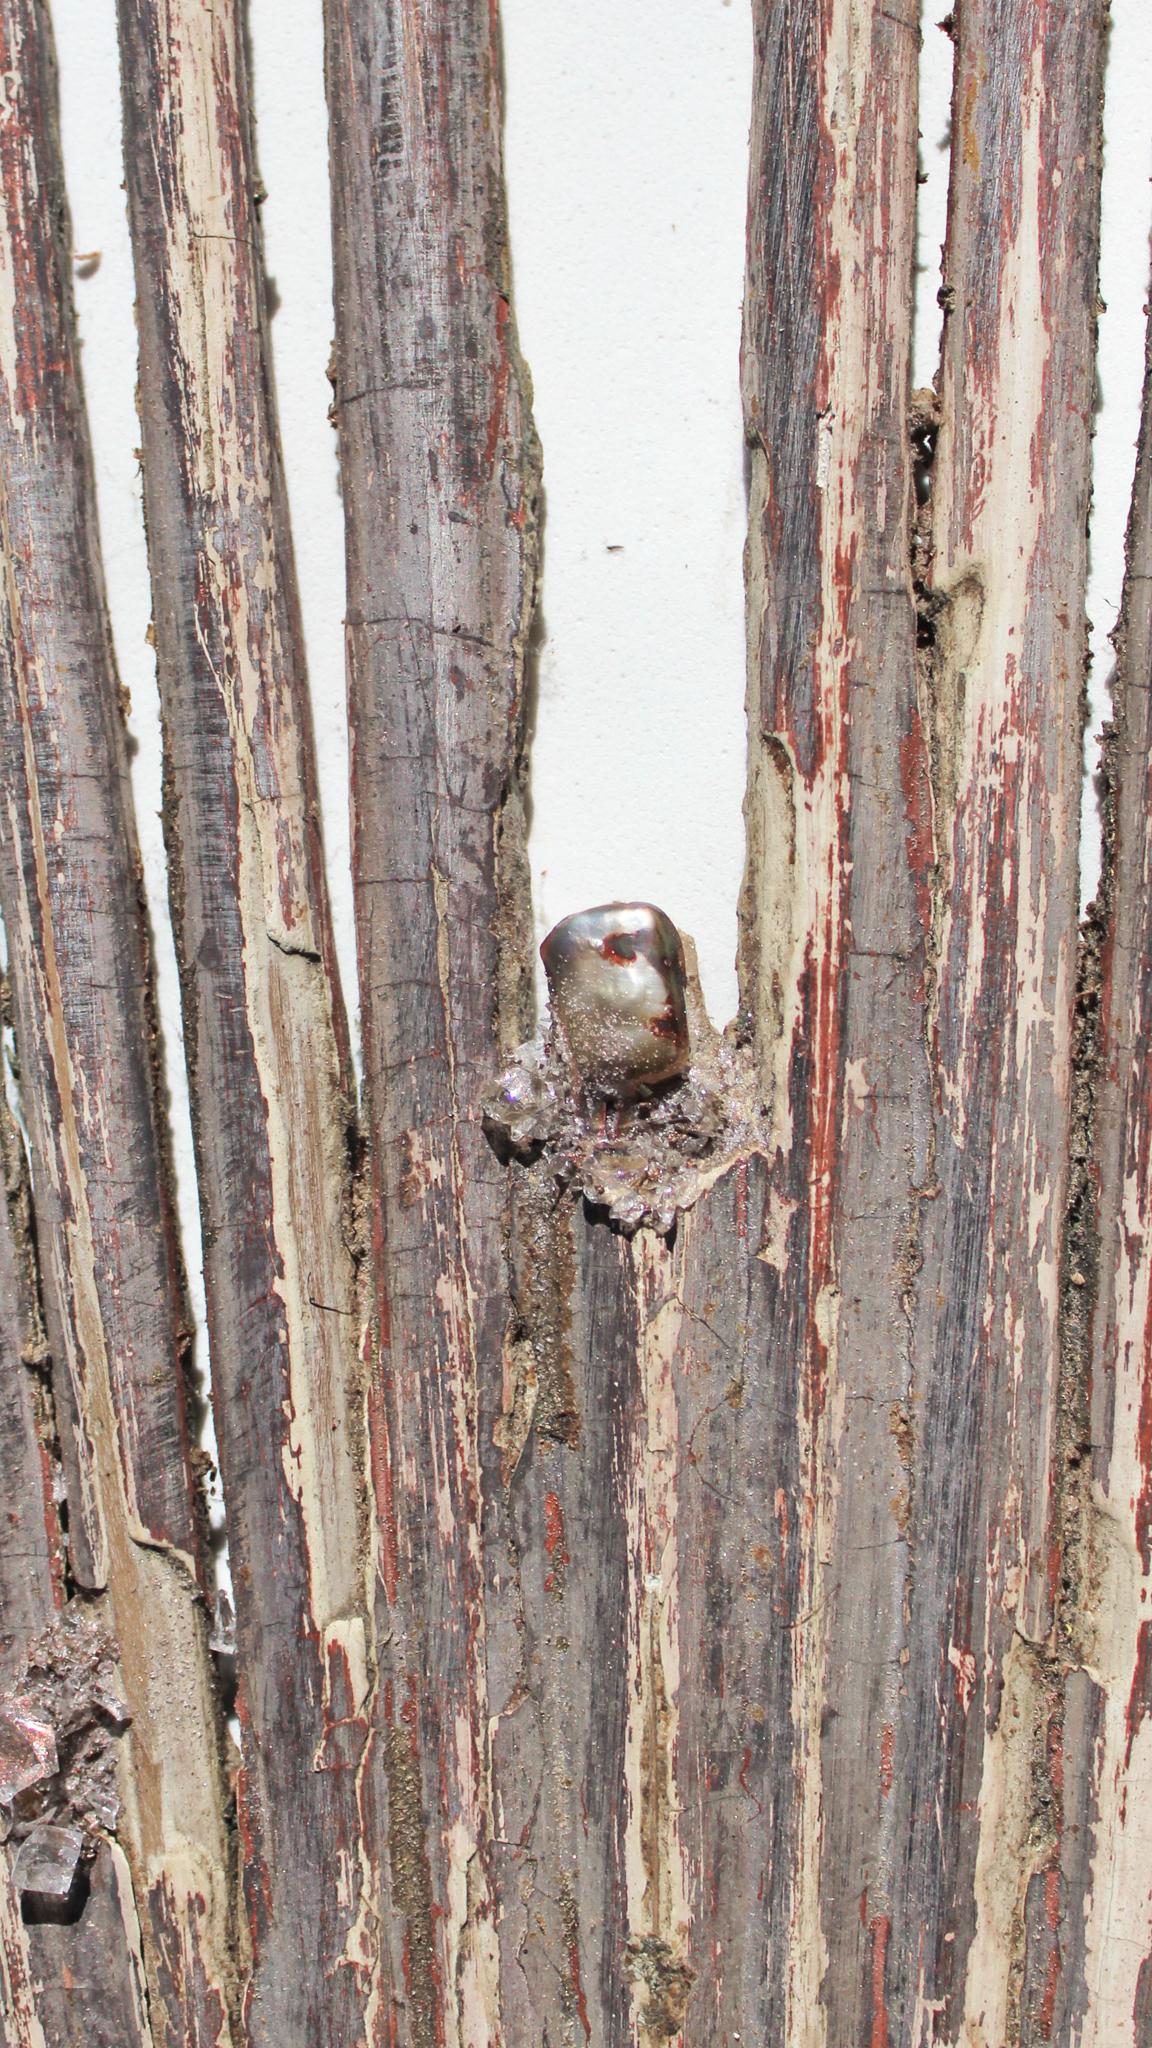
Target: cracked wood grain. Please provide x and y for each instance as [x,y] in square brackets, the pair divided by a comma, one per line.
[648,1809]
[1102,1912]
[1009,510]
[440,478]
[73,911]
[41,1964]
[38,1962]
[908,965]
[752,1665]
[835,976]
[271,1087]
[32,1572]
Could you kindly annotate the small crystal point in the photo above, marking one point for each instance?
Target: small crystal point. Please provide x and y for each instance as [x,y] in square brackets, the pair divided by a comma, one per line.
[612,1178]
[521,1106]
[46,1863]
[27,1749]
[617,985]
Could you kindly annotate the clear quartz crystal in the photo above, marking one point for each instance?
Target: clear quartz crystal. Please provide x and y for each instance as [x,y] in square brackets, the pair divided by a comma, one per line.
[522,1105]
[612,1179]
[27,1749]
[46,1863]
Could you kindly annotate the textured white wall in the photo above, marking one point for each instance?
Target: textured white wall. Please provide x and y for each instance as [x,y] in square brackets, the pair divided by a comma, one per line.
[627,156]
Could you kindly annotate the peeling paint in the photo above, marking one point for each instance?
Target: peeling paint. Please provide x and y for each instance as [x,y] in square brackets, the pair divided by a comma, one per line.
[656,1898]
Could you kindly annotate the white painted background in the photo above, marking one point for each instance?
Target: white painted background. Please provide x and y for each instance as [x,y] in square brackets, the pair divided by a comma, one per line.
[627,125]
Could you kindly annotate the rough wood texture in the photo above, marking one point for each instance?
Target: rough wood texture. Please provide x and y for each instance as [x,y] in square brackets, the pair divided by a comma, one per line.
[439,470]
[733,1647]
[836,977]
[36,2007]
[1105,1909]
[1009,517]
[69,878]
[31,1540]
[264,1025]
[909,965]
[648,1793]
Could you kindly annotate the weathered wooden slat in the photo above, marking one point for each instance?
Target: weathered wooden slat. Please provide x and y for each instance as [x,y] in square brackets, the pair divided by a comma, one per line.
[31,1540]
[1105,1910]
[69,879]
[272,1096]
[658,1507]
[440,477]
[911,929]
[37,1963]
[835,975]
[74,843]
[77,1983]
[559,1749]
[63,1984]
[993,1425]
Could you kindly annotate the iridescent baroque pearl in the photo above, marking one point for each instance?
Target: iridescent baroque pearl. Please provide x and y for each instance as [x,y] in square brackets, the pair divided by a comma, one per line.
[616,982]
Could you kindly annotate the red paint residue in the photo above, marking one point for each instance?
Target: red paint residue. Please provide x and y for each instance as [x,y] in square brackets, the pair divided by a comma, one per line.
[1144,1450]
[410,1716]
[1055,1551]
[1140,1697]
[1047,2014]
[881,1928]
[577,1986]
[500,388]
[554,1542]
[920,837]
[380,1462]
[257,1883]
[338,1706]
[887,1753]
[1047,2011]
[345,1729]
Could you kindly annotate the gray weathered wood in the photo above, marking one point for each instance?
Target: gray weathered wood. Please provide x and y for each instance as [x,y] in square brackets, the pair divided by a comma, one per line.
[1102,1908]
[997,1414]
[272,1093]
[758,1609]
[38,1962]
[74,917]
[439,476]
[836,973]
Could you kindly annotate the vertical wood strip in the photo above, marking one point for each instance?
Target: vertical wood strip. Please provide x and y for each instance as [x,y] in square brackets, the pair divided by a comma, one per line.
[1009,506]
[31,1539]
[73,910]
[38,1964]
[440,478]
[1108,1905]
[745,1610]
[911,923]
[571,1847]
[835,976]
[31,1556]
[271,1088]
